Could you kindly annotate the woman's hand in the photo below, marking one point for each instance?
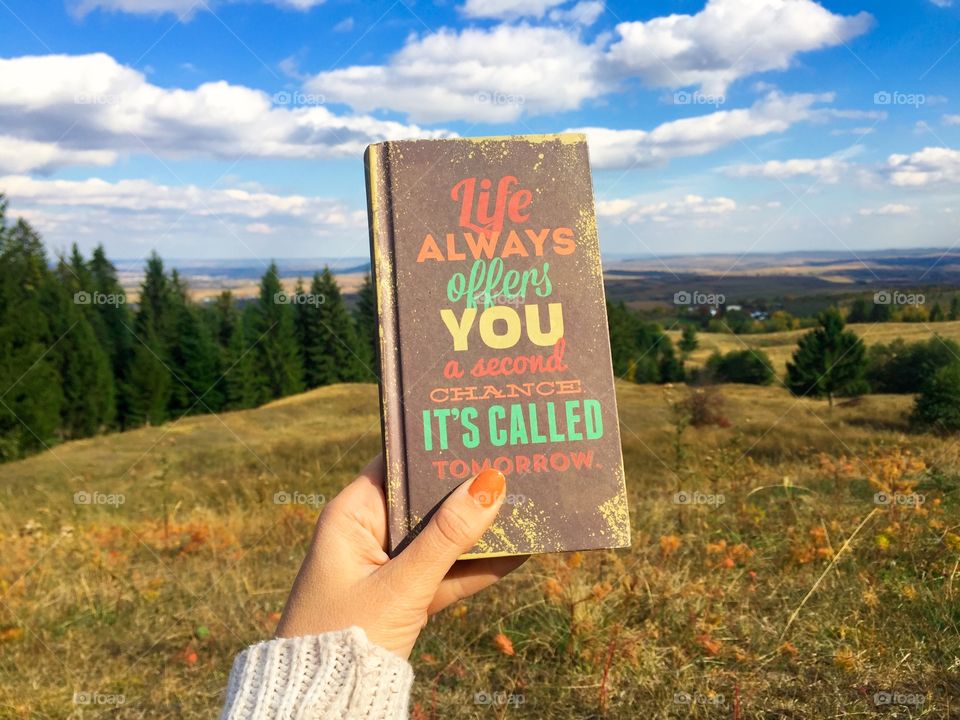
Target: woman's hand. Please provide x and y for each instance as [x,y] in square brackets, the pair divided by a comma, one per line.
[348,579]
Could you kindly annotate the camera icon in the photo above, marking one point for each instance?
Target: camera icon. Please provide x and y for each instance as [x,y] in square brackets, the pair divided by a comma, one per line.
[681,97]
[282,298]
[882,498]
[482,97]
[282,498]
[882,297]
[682,498]
[882,698]
[82,497]
[882,98]
[482,698]
[82,698]
[81,298]
[682,698]
[682,298]
[282,98]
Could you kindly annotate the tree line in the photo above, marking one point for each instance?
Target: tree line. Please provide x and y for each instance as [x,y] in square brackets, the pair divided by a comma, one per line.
[78,359]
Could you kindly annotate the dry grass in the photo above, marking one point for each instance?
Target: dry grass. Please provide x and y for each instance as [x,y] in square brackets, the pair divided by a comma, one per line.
[152,598]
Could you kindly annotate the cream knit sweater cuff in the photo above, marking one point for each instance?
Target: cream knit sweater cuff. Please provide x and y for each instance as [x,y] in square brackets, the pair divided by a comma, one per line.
[337,674]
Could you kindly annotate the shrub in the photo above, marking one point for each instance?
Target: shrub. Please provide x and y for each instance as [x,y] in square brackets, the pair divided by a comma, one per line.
[752,367]
[704,406]
[901,367]
[937,408]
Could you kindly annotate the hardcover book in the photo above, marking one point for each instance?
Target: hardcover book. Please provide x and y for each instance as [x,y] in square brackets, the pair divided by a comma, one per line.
[494,349]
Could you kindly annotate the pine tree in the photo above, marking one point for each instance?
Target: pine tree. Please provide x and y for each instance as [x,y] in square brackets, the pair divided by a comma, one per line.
[330,342]
[955,308]
[688,339]
[276,359]
[114,328]
[881,312]
[859,311]
[367,322]
[937,407]
[235,370]
[30,395]
[193,361]
[828,361]
[936,313]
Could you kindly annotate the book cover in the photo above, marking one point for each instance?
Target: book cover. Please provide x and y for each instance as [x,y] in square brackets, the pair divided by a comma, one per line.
[494,348]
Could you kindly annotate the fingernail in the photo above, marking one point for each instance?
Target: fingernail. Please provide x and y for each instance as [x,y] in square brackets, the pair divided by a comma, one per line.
[487,487]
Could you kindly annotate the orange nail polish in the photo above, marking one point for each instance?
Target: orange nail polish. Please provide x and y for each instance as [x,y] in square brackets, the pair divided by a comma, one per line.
[487,487]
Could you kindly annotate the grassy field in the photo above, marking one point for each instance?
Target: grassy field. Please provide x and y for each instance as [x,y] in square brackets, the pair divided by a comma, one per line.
[798,596]
[780,346]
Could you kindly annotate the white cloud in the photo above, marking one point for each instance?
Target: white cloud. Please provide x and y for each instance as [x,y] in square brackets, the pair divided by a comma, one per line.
[639,209]
[942,3]
[474,74]
[929,166]
[61,110]
[827,169]
[183,9]
[728,40]
[508,9]
[699,135]
[951,119]
[585,12]
[889,209]
[131,213]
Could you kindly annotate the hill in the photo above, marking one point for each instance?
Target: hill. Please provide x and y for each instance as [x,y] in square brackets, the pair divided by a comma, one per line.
[797,595]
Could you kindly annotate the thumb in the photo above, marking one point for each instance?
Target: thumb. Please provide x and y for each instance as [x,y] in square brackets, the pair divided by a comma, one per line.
[455,527]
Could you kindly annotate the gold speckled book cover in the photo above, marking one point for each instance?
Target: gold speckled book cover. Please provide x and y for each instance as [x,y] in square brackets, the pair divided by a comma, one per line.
[494,349]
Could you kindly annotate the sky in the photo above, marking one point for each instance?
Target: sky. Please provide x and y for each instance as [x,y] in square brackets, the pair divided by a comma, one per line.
[236,128]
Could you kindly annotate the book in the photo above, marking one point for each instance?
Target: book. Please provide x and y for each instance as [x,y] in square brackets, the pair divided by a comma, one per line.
[494,347]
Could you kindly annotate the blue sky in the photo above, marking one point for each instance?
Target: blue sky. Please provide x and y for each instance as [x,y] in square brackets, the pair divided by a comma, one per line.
[235,128]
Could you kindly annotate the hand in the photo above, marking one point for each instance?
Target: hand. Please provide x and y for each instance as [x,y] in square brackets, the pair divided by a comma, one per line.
[348,579]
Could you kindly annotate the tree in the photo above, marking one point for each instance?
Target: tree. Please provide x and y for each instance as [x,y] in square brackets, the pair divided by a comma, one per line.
[193,361]
[828,361]
[859,311]
[901,367]
[330,341]
[367,322]
[936,313]
[114,328]
[276,361]
[937,408]
[751,367]
[954,308]
[881,312]
[688,339]
[235,369]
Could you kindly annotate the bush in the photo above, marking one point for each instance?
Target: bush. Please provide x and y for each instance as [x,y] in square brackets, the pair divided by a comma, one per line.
[937,408]
[901,367]
[704,406]
[752,367]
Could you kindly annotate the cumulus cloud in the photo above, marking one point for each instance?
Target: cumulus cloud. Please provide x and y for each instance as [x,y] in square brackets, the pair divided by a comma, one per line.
[728,40]
[508,9]
[479,75]
[699,135]
[183,9]
[58,110]
[930,166]
[951,119]
[888,209]
[639,209]
[827,169]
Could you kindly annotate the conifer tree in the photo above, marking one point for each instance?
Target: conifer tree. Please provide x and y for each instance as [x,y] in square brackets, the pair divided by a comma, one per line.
[367,323]
[114,328]
[193,361]
[277,367]
[828,361]
[330,340]
[235,371]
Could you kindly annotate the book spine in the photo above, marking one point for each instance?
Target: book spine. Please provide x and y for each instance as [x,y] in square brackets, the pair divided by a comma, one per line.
[383,271]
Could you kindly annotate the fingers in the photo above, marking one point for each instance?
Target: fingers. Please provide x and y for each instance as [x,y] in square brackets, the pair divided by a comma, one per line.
[471,576]
[363,501]
[455,527]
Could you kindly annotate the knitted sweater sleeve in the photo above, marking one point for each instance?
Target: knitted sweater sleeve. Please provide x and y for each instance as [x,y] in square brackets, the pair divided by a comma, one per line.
[337,674]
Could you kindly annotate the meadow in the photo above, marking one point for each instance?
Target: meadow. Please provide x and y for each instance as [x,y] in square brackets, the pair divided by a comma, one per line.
[765,579]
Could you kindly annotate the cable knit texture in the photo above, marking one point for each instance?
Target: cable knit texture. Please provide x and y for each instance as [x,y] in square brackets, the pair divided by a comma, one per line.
[337,674]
